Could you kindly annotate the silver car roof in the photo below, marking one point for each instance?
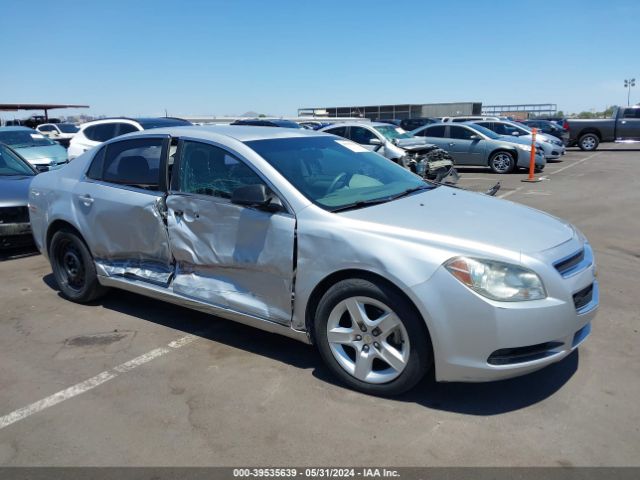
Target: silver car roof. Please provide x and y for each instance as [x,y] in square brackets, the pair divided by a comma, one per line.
[242,133]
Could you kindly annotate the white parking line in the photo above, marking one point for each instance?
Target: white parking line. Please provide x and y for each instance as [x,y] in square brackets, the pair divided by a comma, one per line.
[91,383]
[573,164]
[510,192]
[515,190]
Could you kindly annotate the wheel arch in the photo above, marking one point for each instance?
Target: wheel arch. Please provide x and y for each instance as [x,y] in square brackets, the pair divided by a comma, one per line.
[592,130]
[323,286]
[513,152]
[58,225]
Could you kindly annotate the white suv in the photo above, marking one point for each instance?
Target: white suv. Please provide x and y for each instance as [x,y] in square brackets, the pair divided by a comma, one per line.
[98,131]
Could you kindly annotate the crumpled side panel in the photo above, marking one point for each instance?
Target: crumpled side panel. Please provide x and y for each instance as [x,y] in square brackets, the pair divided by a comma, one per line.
[231,256]
[125,230]
[153,272]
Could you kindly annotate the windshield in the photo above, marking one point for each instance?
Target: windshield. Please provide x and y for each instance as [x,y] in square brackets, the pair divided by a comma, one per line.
[11,164]
[67,127]
[391,132]
[24,138]
[336,173]
[485,131]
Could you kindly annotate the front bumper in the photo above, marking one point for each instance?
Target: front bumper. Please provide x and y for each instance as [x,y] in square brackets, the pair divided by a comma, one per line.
[476,339]
[15,235]
[524,159]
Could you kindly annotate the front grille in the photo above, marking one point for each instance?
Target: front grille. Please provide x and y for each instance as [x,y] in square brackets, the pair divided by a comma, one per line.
[583,297]
[14,215]
[507,356]
[564,266]
[555,152]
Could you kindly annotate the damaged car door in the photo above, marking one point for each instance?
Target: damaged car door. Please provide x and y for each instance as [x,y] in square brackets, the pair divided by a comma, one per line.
[238,257]
[119,207]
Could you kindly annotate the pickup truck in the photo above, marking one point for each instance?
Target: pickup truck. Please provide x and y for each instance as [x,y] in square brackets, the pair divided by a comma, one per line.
[623,126]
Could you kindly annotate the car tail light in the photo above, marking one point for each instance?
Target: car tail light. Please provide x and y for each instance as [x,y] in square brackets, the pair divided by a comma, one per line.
[565,125]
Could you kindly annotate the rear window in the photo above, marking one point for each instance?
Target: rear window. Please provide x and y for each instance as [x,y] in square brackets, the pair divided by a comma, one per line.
[133,162]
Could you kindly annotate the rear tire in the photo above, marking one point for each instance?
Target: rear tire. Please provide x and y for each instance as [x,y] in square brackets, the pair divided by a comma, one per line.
[73,268]
[588,142]
[372,338]
[502,162]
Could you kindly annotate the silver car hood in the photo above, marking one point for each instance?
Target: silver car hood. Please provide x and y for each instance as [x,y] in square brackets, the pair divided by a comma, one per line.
[448,216]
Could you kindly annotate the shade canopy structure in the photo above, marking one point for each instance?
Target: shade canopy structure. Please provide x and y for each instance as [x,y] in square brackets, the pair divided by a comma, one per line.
[12,107]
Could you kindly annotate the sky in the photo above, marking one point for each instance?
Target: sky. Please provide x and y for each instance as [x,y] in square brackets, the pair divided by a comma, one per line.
[213,57]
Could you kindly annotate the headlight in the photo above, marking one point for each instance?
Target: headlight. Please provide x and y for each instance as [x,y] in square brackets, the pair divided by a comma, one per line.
[497,280]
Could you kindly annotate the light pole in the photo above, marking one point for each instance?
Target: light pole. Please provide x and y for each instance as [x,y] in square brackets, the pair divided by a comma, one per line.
[628,83]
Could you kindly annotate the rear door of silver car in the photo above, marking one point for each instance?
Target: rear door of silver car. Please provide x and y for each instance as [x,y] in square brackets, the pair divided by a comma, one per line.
[227,255]
[119,207]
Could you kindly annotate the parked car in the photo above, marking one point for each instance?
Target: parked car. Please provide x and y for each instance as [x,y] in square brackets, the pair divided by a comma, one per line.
[469,118]
[60,132]
[472,144]
[42,153]
[291,231]
[313,125]
[399,146]
[412,123]
[549,128]
[624,126]
[15,176]
[390,121]
[551,147]
[267,122]
[96,132]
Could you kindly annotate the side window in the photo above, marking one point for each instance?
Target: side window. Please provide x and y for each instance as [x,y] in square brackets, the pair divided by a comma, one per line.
[97,165]
[361,135]
[133,162]
[209,170]
[437,131]
[632,113]
[340,131]
[125,128]
[46,128]
[101,132]
[460,133]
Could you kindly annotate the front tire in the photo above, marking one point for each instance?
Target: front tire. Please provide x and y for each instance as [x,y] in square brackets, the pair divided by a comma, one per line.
[73,268]
[588,142]
[502,162]
[372,338]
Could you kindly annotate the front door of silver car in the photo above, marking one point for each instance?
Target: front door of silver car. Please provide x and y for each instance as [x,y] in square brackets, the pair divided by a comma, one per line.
[231,256]
[119,209]
[466,146]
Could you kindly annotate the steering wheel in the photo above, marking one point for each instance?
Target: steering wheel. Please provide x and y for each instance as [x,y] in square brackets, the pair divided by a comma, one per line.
[340,181]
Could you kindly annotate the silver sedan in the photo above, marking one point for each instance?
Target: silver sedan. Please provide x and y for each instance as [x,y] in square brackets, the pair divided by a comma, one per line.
[314,237]
[473,145]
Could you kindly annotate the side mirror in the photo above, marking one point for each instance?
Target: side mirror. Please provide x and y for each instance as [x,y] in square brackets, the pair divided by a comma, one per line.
[515,133]
[375,141]
[475,137]
[257,196]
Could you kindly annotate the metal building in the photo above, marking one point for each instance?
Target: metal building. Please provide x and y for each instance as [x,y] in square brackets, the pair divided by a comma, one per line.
[520,110]
[400,111]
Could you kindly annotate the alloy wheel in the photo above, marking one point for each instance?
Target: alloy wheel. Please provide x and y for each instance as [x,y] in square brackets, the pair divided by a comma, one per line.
[588,143]
[502,162]
[368,339]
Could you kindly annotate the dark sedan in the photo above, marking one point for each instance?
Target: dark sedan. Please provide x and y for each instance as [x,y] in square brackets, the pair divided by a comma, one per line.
[15,176]
[550,128]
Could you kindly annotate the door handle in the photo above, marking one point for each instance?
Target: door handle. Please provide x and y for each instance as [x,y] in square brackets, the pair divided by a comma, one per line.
[451,144]
[86,199]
